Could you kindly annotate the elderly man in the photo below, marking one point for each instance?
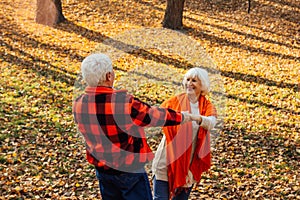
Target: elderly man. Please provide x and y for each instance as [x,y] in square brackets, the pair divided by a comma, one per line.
[112,123]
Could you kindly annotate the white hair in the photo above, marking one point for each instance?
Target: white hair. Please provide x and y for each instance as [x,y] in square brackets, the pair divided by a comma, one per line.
[95,67]
[202,75]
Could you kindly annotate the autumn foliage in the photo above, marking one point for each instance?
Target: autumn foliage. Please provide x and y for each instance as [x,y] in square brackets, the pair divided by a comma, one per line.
[257,153]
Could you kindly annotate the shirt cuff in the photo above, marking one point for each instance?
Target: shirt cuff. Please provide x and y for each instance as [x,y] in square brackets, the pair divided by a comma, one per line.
[209,122]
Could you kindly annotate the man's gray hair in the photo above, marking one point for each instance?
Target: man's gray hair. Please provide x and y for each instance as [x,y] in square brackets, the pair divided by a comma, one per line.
[95,67]
[202,75]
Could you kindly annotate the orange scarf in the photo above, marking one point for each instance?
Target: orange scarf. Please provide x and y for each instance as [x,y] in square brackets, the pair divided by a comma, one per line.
[179,144]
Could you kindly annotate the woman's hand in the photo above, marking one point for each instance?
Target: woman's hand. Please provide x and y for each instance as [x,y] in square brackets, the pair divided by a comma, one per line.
[191,117]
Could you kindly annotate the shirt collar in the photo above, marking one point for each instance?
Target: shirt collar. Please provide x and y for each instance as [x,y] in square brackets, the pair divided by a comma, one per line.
[101,90]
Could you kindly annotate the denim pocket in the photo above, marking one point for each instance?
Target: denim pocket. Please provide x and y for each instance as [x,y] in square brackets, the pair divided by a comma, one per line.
[128,181]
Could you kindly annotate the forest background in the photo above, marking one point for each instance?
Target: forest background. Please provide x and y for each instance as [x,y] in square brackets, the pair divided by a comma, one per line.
[257,152]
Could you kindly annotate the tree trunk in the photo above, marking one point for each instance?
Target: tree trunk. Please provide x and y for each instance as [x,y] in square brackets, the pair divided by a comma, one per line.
[49,12]
[249,5]
[174,14]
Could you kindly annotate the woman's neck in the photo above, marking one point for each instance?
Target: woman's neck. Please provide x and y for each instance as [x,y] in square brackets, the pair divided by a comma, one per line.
[193,98]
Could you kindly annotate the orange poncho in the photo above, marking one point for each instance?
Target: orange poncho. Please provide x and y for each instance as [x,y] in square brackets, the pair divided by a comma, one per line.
[179,144]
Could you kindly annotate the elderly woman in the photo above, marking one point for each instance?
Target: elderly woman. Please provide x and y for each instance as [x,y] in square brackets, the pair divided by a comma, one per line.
[184,152]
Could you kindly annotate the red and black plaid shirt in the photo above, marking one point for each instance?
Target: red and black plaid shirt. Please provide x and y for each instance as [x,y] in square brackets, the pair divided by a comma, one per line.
[112,122]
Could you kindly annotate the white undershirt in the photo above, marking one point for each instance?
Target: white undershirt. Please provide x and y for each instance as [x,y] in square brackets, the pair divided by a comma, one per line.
[159,166]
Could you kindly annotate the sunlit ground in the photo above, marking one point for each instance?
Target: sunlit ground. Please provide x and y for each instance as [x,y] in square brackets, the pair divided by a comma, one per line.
[256,154]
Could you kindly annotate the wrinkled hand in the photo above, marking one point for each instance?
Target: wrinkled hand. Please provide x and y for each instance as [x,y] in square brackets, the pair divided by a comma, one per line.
[191,117]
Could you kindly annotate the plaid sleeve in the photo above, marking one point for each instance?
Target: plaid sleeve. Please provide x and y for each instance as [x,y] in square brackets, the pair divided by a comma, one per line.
[143,114]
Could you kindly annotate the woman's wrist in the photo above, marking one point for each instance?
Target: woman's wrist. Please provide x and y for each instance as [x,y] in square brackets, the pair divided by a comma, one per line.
[200,120]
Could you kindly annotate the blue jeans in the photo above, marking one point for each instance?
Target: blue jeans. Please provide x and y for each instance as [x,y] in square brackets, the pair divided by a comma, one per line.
[126,186]
[161,191]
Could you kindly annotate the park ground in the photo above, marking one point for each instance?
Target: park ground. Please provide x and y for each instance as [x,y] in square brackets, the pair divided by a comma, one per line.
[257,152]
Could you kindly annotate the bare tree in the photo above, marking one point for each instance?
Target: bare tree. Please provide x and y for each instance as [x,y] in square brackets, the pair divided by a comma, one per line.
[174,14]
[49,12]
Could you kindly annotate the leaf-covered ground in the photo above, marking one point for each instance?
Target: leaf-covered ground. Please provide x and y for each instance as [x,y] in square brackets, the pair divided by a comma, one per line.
[257,153]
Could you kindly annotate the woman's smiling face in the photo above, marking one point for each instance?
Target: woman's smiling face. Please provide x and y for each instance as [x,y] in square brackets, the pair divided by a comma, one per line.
[193,86]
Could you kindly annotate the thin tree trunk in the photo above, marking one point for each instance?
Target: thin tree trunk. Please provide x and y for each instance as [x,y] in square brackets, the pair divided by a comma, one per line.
[174,14]
[249,5]
[49,12]
[61,17]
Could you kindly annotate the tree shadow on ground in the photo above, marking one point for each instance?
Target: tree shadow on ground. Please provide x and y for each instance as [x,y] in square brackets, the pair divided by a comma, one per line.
[98,37]
[225,42]
[39,66]
[247,35]
[267,10]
